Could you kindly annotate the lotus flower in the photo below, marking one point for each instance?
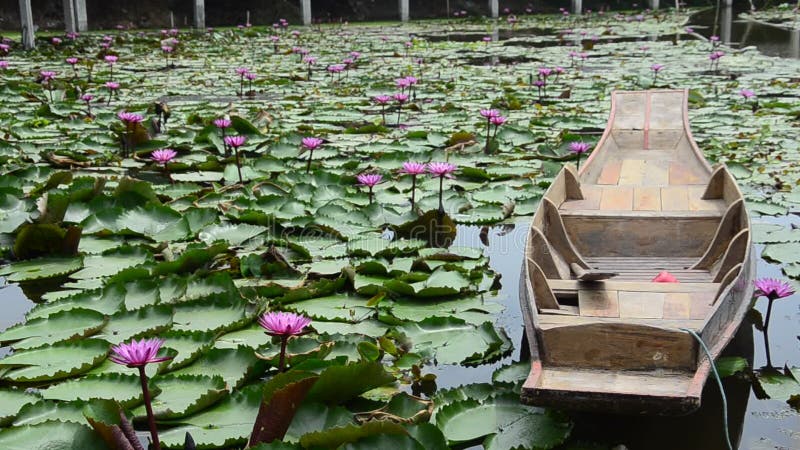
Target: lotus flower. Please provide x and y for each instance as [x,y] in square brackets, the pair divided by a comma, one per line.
[47,75]
[110,59]
[71,61]
[747,94]
[400,98]
[414,169]
[489,114]
[129,118]
[773,289]
[382,100]
[222,123]
[311,144]
[235,142]
[138,355]
[163,156]
[3,64]
[283,325]
[579,148]
[370,180]
[442,170]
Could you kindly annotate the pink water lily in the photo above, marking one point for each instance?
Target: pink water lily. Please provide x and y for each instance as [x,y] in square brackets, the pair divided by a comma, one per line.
[773,289]
[111,59]
[489,114]
[129,117]
[747,94]
[311,144]
[382,100]
[138,355]
[441,170]
[283,325]
[370,180]
[579,148]
[235,142]
[222,123]
[163,156]
[414,169]
[71,61]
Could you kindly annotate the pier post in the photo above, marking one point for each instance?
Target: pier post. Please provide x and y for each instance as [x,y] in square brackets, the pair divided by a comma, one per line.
[404,12]
[577,6]
[200,14]
[80,15]
[653,4]
[26,22]
[69,17]
[494,7]
[305,5]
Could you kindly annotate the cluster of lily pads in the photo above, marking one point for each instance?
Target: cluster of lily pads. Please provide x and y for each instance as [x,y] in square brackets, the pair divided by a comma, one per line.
[124,229]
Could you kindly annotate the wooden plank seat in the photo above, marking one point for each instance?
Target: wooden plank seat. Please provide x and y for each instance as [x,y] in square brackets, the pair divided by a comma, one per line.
[646,268]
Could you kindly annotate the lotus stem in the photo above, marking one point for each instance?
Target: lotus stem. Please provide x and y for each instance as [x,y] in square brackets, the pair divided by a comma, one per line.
[151,421]
[413,189]
[282,360]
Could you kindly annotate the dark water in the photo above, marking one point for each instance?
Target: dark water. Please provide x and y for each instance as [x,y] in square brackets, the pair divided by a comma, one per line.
[737,33]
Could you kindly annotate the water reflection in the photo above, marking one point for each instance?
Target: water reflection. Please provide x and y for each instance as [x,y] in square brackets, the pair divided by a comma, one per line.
[769,40]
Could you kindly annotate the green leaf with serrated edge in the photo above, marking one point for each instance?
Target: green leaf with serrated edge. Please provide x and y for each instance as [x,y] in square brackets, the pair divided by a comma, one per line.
[184,395]
[53,362]
[62,326]
[51,435]
[37,269]
[124,326]
[227,424]
[111,262]
[335,437]
[11,400]
[215,313]
[338,384]
[454,340]
[108,301]
[312,417]
[47,410]
[189,345]
[123,388]
[235,366]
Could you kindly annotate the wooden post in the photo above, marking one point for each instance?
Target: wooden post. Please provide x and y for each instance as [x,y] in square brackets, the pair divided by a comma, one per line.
[653,4]
[726,22]
[69,17]
[494,7]
[794,37]
[577,6]
[404,11]
[200,14]
[171,20]
[80,15]
[305,5]
[26,21]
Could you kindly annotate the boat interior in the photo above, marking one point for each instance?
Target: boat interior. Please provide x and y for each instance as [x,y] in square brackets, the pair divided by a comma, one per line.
[646,201]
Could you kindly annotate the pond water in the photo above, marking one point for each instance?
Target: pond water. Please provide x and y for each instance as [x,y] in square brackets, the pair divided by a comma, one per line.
[738,33]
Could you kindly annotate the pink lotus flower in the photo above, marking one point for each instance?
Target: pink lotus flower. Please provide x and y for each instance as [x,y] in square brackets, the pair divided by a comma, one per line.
[250,76]
[382,99]
[336,68]
[128,117]
[87,97]
[355,55]
[3,64]
[773,289]
[235,141]
[283,323]
[71,61]
[312,143]
[112,85]
[413,168]
[310,60]
[166,49]
[241,71]
[369,179]
[163,156]
[579,147]
[402,83]
[56,40]
[665,277]
[489,113]
[400,98]
[110,59]
[441,169]
[656,67]
[497,121]
[47,75]
[487,39]
[222,123]
[545,72]
[138,354]
[714,39]
[5,48]
[747,93]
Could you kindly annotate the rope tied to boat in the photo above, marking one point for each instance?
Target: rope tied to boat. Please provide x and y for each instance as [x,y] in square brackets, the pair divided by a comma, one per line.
[719,383]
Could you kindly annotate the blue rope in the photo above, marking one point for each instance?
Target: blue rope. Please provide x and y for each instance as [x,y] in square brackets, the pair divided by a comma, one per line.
[719,383]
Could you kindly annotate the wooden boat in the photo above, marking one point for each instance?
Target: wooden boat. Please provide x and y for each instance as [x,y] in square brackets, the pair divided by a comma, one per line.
[645,201]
